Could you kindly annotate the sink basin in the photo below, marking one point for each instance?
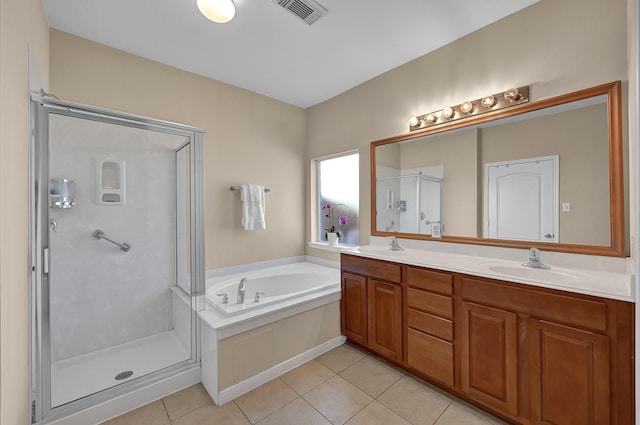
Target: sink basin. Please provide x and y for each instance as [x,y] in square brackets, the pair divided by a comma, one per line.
[527,272]
[553,275]
[365,249]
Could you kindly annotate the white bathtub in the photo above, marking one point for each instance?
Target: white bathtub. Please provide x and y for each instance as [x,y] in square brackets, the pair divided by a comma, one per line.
[277,284]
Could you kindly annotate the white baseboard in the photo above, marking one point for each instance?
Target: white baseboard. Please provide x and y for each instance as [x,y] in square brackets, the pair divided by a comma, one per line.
[247,385]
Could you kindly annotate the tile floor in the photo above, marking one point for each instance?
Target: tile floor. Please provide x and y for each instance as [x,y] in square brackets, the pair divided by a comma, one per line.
[343,386]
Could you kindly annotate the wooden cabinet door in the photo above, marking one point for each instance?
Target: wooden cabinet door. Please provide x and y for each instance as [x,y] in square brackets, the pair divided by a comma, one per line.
[354,307]
[489,356]
[570,375]
[385,318]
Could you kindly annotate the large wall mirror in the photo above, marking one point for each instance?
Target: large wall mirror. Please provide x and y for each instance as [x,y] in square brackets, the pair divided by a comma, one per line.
[546,173]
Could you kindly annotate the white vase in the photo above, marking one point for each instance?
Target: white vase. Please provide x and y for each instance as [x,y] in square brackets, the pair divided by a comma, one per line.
[333,239]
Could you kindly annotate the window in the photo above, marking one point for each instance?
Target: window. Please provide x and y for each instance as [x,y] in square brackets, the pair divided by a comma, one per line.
[338,197]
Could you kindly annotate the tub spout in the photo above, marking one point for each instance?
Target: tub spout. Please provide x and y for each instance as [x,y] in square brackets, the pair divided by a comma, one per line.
[241,290]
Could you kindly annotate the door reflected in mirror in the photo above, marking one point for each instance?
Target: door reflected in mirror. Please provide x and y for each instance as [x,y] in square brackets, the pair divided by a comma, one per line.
[548,173]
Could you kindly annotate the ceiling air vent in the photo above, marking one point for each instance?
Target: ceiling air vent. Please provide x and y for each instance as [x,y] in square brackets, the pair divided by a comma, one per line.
[307,10]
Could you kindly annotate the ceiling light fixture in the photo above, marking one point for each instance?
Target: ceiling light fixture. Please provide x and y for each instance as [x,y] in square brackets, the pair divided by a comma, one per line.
[220,11]
[471,108]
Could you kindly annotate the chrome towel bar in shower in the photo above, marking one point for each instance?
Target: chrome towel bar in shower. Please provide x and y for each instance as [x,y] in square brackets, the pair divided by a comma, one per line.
[99,234]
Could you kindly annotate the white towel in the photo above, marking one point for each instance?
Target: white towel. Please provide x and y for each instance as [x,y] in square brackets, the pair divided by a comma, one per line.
[252,196]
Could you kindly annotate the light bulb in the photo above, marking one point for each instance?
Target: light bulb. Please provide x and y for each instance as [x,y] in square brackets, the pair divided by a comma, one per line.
[413,121]
[432,118]
[511,94]
[488,101]
[220,11]
[447,113]
[466,107]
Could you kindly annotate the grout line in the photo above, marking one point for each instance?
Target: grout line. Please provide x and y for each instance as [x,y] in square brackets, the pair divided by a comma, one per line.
[166,411]
[241,411]
[443,412]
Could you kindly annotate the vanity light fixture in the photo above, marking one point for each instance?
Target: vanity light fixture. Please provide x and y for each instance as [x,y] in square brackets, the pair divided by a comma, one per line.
[471,108]
[447,113]
[219,11]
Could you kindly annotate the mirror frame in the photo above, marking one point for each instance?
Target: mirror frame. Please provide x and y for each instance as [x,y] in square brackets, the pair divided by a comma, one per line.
[616,184]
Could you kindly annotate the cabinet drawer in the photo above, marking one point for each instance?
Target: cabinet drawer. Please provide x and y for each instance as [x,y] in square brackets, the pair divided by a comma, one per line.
[390,272]
[430,280]
[428,323]
[430,356]
[429,302]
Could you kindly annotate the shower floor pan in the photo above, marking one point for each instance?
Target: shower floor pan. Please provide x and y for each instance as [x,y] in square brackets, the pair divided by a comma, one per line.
[77,377]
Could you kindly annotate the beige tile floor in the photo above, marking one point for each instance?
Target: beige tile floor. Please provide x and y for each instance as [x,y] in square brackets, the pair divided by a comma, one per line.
[343,386]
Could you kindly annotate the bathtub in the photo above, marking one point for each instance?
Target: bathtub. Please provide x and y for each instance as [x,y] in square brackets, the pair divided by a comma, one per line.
[247,345]
[274,285]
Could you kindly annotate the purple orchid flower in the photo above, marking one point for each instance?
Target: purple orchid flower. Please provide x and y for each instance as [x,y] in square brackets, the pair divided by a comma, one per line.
[343,220]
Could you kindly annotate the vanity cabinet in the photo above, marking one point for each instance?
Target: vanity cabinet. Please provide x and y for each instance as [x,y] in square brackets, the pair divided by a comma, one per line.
[372,305]
[545,356]
[530,354]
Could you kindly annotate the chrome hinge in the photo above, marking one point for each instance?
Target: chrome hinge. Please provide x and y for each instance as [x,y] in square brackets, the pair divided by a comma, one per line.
[33,412]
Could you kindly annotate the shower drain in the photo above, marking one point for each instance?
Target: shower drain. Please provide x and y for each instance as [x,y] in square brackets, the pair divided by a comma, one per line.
[123,375]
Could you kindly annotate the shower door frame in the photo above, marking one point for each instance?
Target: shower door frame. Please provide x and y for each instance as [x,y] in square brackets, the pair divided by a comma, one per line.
[40,349]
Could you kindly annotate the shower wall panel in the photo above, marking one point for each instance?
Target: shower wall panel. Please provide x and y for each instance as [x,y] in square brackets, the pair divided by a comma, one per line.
[100,295]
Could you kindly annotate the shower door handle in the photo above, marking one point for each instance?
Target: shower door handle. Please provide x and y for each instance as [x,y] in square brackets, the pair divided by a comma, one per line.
[45,261]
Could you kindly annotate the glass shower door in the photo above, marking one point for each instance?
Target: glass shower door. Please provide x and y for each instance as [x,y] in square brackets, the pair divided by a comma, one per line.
[116,230]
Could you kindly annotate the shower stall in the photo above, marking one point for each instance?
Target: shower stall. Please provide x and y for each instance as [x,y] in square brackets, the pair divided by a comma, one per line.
[410,203]
[116,253]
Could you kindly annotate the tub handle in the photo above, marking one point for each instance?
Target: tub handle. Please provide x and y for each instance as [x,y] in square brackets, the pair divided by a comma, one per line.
[225,298]
[256,298]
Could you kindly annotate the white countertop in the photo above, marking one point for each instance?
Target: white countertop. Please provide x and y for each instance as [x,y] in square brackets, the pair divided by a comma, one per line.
[615,281]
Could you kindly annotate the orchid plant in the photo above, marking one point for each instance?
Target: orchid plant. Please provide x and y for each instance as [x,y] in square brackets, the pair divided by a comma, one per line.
[328,211]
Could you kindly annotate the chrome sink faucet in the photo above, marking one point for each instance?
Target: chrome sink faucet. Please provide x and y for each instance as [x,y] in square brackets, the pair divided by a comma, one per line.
[394,244]
[534,260]
[242,287]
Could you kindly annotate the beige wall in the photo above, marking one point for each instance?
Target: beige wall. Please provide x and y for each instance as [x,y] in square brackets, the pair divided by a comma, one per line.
[22,23]
[249,138]
[536,47]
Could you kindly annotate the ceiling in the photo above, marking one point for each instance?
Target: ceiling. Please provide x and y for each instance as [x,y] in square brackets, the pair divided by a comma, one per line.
[268,50]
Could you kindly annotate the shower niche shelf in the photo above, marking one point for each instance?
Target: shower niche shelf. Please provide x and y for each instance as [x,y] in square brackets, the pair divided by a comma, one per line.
[110,182]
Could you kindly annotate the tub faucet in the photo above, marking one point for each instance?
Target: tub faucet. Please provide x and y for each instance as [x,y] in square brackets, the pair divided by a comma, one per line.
[241,289]
[534,260]
[394,244]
